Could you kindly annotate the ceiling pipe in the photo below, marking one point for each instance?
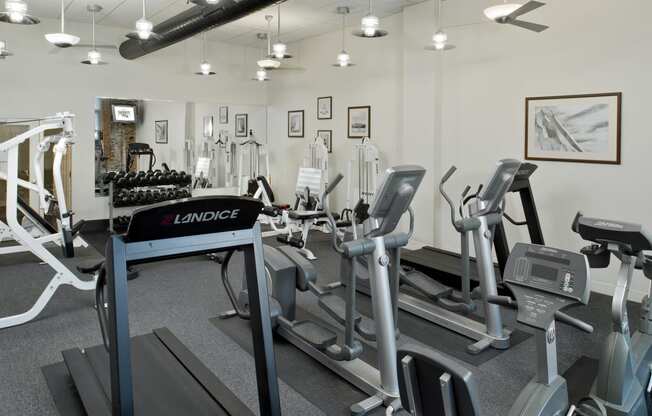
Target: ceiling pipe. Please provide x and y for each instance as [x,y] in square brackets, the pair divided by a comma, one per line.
[191,22]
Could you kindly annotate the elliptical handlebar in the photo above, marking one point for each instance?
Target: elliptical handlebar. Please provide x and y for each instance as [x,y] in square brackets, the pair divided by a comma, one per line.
[444,179]
[326,206]
[508,302]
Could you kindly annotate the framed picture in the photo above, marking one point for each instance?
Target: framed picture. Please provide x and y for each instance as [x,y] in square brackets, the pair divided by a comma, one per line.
[241,128]
[224,115]
[359,122]
[295,123]
[327,137]
[324,108]
[208,126]
[161,131]
[574,128]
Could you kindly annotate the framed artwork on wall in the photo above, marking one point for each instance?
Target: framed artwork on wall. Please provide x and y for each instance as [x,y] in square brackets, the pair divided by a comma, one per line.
[327,137]
[359,122]
[208,126]
[224,115]
[161,131]
[324,108]
[241,121]
[295,123]
[574,128]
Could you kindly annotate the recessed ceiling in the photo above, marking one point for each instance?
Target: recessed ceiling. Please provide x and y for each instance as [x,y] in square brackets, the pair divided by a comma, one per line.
[300,19]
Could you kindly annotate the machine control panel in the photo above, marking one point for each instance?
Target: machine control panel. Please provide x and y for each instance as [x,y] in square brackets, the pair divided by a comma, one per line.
[544,280]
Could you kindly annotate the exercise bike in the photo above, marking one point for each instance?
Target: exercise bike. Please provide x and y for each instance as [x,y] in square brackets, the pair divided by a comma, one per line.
[543,280]
[624,381]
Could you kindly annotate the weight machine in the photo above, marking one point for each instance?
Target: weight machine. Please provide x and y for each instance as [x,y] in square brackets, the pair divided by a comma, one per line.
[26,242]
[252,155]
[362,175]
[316,157]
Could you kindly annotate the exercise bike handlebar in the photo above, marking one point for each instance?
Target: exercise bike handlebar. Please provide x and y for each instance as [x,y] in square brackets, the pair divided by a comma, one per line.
[560,316]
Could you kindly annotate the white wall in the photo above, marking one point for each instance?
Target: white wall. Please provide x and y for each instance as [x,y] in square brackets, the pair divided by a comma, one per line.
[36,83]
[466,107]
[171,152]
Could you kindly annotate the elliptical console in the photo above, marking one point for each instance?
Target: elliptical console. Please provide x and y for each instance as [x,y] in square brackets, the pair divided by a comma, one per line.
[545,280]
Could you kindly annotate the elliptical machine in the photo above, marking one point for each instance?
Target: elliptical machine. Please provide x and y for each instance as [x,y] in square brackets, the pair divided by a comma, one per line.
[624,378]
[289,272]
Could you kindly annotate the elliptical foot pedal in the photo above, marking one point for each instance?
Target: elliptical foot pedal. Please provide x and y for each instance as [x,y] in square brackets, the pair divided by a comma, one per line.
[479,346]
[336,308]
[426,285]
[366,406]
[314,334]
[366,329]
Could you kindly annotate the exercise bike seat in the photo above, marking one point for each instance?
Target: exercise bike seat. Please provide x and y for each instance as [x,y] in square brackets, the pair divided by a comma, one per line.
[306,215]
[424,375]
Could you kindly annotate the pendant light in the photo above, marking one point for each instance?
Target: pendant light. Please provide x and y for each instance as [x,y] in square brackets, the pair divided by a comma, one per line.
[94,57]
[144,27]
[204,66]
[268,62]
[62,39]
[439,38]
[343,58]
[279,49]
[16,13]
[4,52]
[261,75]
[369,25]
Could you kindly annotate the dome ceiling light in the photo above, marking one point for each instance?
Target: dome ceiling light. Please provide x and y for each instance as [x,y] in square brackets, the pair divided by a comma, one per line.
[268,62]
[279,49]
[144,28]
[439,40]
[204,66]
[16,13]
[62,39]
[369,25]
[4,52]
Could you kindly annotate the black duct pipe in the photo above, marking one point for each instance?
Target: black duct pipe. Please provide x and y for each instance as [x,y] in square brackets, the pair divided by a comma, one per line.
[191,22]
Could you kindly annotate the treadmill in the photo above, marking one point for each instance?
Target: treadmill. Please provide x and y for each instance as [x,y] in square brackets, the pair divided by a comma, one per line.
[446,266]
[155,374]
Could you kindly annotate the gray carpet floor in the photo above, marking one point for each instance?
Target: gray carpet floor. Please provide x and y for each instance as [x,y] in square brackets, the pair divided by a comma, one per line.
[182,295]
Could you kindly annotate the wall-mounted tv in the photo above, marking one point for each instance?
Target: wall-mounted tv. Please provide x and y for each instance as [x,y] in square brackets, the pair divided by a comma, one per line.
[123,113]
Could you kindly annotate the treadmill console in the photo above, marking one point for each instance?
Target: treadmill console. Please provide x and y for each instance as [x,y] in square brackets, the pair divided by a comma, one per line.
[544,280]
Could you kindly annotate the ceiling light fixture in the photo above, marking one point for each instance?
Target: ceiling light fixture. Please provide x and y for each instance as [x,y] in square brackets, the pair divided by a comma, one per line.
[279,49]
[62,39]
[94,57]
[4,52]
[343,58]
[500,11]
[439,38]
[369,25]
[205,66]
[16,13]
[144,28]
[212,1]
[268,62]
[261,75]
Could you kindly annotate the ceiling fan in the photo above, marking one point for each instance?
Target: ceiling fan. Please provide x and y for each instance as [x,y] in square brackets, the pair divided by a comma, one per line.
[93,9]
[508,13]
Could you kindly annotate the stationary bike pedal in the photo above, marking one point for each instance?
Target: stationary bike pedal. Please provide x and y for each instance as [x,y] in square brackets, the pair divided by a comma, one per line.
[314,334]
[335,306]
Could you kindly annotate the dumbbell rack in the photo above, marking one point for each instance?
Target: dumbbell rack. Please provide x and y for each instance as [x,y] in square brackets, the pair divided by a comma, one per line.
[175,184]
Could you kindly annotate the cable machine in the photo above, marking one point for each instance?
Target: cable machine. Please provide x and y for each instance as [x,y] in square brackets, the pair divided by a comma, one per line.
[253,154]
[363,172]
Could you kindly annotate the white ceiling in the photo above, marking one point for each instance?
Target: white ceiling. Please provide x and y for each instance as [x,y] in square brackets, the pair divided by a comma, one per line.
[300,19]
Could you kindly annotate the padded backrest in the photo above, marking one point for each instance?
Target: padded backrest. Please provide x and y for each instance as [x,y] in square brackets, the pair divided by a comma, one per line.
[309,178]
[268,189]
[423,376]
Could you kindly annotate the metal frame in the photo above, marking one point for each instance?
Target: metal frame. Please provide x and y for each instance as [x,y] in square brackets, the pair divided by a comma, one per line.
[255,150]
[63,275]
[122,252]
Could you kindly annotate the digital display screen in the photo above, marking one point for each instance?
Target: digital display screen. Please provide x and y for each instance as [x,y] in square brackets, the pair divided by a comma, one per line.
[544,272]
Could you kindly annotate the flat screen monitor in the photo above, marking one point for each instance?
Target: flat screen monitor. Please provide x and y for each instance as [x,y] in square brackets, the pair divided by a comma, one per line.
[124,113]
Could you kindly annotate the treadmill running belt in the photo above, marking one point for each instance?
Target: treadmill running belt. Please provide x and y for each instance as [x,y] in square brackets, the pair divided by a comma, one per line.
[164,380]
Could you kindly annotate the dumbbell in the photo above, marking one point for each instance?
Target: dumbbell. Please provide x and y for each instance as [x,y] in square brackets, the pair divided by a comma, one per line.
[139,179]
[108,177]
